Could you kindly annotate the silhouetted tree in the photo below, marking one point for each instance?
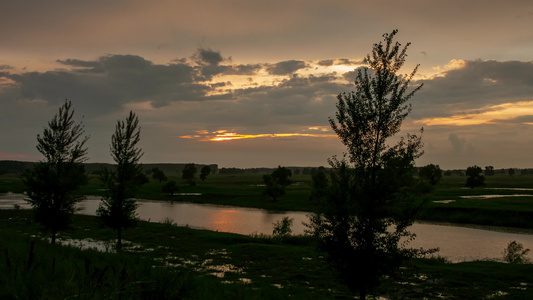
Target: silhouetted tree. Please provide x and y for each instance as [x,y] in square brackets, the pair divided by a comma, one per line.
[489,171]
[320,184]
[189,173]
[170,187]
[432,173]
[159,175]
[276,182]
[474,177]
[117,209]
[373,197]
[511,172]
[515,253]
[53,184]
[283,228]
[204,172]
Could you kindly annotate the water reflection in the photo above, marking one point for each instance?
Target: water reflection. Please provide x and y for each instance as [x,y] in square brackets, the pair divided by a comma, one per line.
[456,243]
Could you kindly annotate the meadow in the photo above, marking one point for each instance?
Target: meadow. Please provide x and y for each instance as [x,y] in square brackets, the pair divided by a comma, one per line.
[165,261]
[447,201]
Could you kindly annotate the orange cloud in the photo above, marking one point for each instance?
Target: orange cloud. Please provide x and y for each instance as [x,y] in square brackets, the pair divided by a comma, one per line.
[486,115]
[224,135]
[4,155]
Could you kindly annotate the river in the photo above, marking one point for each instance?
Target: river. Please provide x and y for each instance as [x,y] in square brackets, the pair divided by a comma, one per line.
[456,243]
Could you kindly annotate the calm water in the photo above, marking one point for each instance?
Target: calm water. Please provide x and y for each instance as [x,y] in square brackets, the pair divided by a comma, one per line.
[456,243]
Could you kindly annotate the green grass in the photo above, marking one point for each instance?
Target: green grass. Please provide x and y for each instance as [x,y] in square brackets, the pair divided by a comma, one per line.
[170,262]
[503,211]
[245,190]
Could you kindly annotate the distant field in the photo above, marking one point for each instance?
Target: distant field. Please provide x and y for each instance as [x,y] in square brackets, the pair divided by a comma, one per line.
[446,202]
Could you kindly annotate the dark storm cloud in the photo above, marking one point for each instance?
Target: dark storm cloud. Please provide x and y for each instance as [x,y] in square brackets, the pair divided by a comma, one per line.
[78,63]
[352,75]
[475,85]
[326,62]
[209,64]
[294,103]
[517,120]
[111,81]
[209,71]
[286,67]
[209,56]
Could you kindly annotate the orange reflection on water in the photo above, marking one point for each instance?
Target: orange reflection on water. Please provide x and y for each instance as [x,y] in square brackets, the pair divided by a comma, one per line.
[222,219]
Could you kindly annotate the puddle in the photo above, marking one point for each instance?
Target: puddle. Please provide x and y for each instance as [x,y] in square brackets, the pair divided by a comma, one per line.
[495,196]
[89,244]
[511,189]
[497,294]
[13,201]
[188,194]
[444,201]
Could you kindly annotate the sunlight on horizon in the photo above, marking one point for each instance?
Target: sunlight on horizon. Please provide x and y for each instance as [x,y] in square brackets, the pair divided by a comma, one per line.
[487,115]
[225,135]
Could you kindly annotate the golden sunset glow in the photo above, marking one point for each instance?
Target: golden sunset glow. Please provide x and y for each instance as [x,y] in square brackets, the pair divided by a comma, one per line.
[224,135]
[487,115]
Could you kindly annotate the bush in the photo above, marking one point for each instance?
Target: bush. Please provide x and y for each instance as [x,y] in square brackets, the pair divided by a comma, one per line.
[515,253]
[283,228]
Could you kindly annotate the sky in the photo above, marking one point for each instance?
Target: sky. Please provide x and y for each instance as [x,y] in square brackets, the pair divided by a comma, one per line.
[244,83]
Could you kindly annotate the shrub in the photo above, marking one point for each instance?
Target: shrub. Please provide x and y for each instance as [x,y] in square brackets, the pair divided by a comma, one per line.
[515,253]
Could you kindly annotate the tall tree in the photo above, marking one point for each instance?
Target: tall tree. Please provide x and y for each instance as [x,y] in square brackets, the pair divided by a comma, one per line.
[372,196]
[276,182]
[474,177]
[159,175]
[204,172]
[189,173]
[53,184]
[432,173]
[320,184]
[117,209]
[489,171]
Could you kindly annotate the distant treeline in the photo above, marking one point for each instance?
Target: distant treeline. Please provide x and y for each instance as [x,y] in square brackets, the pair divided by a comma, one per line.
[294,170]
[17,167]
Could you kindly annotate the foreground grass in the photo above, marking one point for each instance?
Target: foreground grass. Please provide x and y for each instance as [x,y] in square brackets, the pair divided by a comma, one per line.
[164,261]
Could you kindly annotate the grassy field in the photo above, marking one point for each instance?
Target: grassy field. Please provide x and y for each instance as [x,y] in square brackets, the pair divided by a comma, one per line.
[246,190]
[510,202]
[164,261]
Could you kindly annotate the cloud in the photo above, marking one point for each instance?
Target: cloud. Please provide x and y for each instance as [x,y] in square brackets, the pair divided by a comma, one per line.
[208,56]
[473,85]
[78,63]
[340,61]
[458,144]
[286,67]
[111,81]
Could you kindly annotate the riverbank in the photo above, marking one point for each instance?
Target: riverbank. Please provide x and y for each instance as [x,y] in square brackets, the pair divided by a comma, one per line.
[504,201]
[165,261]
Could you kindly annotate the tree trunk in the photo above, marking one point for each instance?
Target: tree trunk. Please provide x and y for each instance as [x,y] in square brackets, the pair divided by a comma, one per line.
[119,238]
[53,237]
[362,293]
